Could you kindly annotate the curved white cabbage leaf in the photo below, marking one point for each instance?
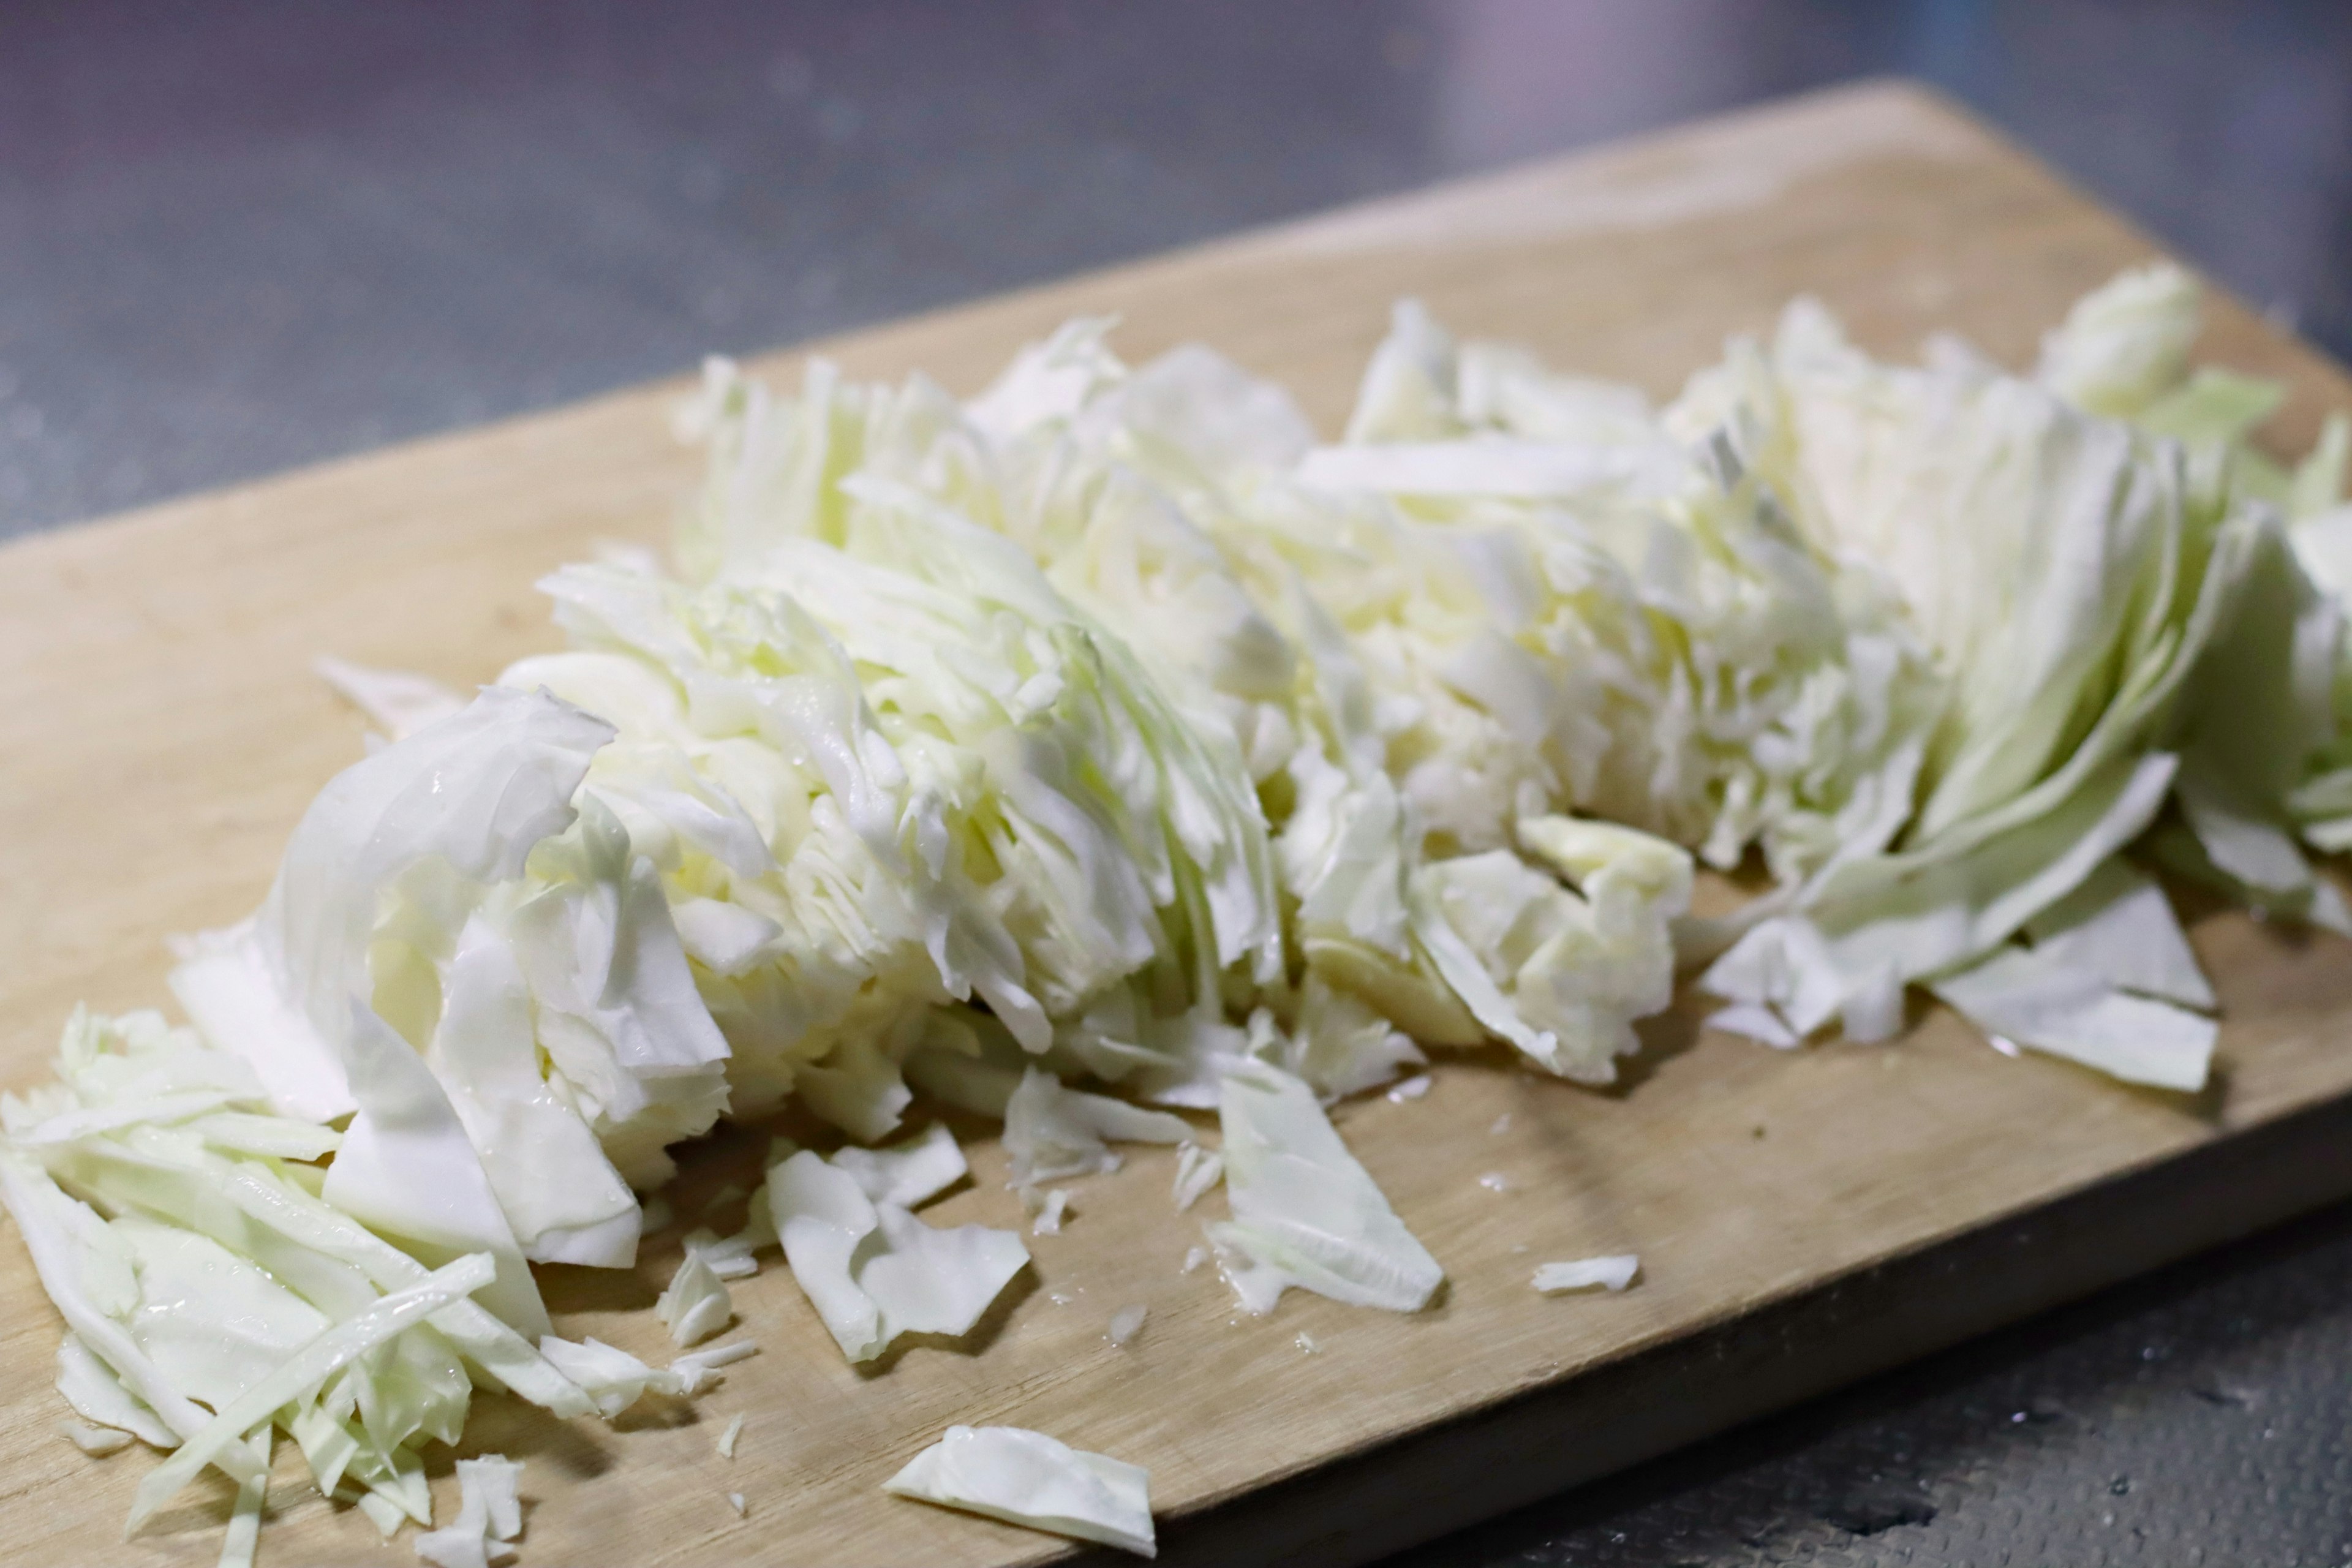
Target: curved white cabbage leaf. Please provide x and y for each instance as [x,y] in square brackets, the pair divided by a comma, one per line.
[1027,1478]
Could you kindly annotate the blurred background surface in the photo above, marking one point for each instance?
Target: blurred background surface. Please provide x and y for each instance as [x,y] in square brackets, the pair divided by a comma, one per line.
[237,236]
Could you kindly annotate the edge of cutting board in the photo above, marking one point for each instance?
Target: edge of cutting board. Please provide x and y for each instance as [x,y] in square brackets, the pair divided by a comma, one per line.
[1483,1464]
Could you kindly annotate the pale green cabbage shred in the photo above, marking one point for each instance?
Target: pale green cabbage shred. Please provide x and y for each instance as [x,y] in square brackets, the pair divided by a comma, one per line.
[1107,730]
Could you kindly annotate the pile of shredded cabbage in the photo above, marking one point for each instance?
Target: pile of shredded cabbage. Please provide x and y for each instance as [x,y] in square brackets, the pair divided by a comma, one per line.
[1106,730]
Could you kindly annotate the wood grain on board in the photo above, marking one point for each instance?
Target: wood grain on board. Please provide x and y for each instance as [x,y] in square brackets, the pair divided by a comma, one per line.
[1801,1217]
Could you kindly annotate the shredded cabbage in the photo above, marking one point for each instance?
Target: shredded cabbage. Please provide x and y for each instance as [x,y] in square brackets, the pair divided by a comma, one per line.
[1104,744]
[190,1265]
[2095,563]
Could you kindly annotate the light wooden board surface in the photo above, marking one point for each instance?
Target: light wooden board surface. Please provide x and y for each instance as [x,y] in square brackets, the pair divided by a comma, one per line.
[1801,1217]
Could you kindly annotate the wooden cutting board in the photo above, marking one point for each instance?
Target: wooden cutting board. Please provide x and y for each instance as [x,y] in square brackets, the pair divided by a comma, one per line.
[1802,1219]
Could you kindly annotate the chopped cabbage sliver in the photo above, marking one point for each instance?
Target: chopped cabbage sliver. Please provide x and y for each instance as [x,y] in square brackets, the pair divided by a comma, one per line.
[244,1533]
[1612,1273]
[698,1370]
[1197,1171]
[1305,1212]
[1027,1478]
[613,1378]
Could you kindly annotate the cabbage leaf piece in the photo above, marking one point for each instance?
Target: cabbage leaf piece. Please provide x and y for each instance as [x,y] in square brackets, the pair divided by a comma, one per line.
[2035,998]
[407,1170]
[908,1173]
[1305,1212]
[474,792]
[1052,1132]
[2119,926]
[1027,1478]
[552,1182]
[873,1271]
[2125,344]
[1876,925]
[444,895]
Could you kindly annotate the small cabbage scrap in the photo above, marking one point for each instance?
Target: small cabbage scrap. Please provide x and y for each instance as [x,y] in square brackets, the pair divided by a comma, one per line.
[1047,1208]
[1197,1171]
[1611,1274]
[489,1516]
[613,1378]
[1027,1478]
[698,1370]
[1305,1212]
[696,1305]
[873,1271]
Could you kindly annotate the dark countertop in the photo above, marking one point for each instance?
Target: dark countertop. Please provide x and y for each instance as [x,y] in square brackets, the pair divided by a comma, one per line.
[237,236]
